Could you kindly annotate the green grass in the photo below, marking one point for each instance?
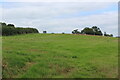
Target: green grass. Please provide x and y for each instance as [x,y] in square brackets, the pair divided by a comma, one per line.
[59,56]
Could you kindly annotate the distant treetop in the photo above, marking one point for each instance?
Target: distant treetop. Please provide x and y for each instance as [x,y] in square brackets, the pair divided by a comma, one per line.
[91,31]
[10,29]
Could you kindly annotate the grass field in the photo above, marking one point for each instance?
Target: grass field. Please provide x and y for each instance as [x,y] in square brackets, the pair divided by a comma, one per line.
[59,56]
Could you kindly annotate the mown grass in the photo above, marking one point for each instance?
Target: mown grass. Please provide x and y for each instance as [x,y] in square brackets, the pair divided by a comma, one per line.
[59,56]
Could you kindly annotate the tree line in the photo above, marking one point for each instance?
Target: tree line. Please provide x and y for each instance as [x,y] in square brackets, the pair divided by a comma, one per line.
[91,31]
[10,29]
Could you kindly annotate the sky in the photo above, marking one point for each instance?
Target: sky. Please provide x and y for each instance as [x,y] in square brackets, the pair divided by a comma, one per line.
[59,0]
[58,17]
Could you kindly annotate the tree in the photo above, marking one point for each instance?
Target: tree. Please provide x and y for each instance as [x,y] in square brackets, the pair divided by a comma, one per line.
[88,31]
[11,25]
[75,31]
[44,31]
[109,35]
[10,29]
[105,34]
[92,31]
[97,30]
[3,24]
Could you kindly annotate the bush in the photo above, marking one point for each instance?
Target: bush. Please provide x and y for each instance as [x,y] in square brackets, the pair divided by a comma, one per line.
[108,35]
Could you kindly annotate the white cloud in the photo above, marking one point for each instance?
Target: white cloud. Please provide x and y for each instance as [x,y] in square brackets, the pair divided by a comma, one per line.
[46,10]
[46,16]
[106,21]
[1,10]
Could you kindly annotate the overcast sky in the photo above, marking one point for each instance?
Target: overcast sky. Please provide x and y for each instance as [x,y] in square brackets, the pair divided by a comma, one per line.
[61,17]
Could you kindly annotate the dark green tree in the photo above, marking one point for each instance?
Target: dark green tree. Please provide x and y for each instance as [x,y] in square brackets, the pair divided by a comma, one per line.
[92,31]
[108,35]
[75,31]
[44,31]
[97,30]
[10,29]
[88,31]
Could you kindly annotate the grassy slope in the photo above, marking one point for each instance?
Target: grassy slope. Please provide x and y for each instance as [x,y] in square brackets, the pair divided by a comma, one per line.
[59,55]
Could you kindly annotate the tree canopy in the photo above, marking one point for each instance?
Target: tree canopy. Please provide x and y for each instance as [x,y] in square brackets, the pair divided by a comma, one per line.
[10,29]
[92,31]
[75,31]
